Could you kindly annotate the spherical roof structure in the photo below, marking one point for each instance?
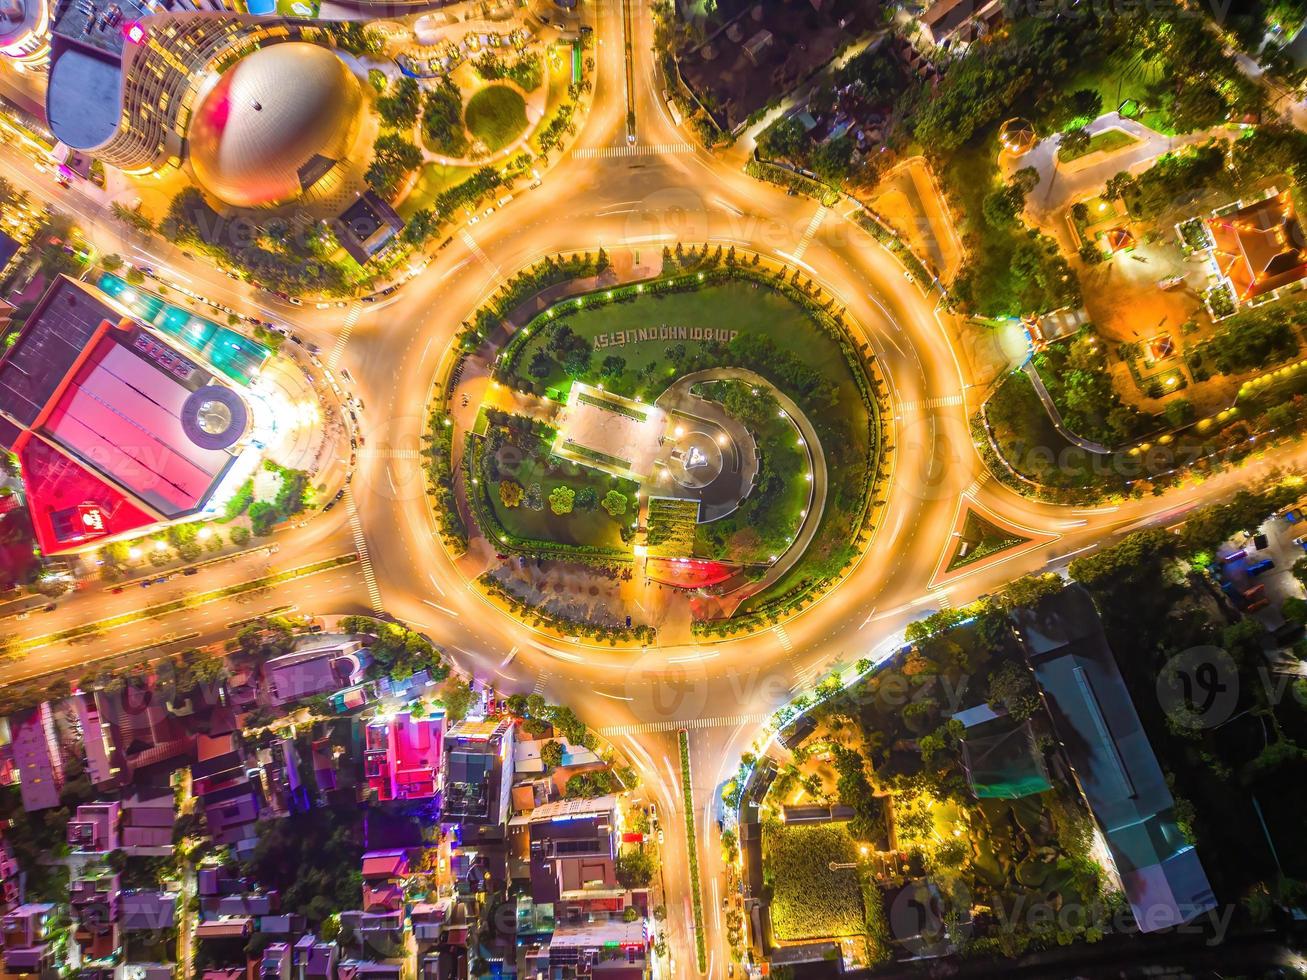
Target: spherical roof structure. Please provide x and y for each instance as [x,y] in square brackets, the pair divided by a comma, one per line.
[274,124]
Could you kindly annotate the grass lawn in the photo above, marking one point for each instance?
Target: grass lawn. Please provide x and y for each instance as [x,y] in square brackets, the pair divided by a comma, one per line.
[433,178]
[1121,77]
[730,305]
[1104,142]
[1030,443]
[809,900]
[984,539]
[769,518]
[593,527]
[496,116]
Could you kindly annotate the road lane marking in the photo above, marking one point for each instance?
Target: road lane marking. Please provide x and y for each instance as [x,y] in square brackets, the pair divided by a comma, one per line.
[435,605]
[477,250]
[631,150]
[367,453]
[654,727]
[940,401]
[786,643]
[351,318]
[361,546]
[809,232]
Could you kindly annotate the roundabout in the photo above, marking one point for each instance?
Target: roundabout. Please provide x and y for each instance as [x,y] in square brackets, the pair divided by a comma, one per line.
[687,453]
[900,519]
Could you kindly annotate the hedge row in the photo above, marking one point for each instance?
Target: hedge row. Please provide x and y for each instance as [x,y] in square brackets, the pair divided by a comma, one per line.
[692,849]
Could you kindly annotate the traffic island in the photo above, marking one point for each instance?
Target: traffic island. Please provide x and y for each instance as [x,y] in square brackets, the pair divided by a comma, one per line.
[609,449]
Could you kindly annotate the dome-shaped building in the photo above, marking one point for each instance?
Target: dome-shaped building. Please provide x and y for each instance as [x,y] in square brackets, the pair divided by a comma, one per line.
[274,124]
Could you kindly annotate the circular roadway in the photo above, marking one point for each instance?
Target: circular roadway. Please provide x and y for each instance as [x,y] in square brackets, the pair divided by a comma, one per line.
[663,192]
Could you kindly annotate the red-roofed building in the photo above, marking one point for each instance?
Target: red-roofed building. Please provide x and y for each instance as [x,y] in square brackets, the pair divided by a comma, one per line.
[383,873]
[1261,247]
[115,430]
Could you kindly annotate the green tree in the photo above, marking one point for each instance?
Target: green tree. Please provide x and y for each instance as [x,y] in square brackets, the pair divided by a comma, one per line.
[635,868]
[399,107]
[393,157]
[456,695]
[614,502]
[561,499]
[551,754]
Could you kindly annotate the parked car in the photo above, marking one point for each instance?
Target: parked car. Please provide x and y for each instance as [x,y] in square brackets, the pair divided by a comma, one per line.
[1262,566]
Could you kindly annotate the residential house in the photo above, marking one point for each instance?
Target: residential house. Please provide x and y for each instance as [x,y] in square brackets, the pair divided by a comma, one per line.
[96,903]
[37,757]
[147,822]
[477,787]
[26,935]
[94,827]
[231,800]
[95,741]
[607,949]
[574,856]
[276,962]
[383,880]
[949,23]
[313,959]
[308,673]
[10,878]
[401,757]
[146,910]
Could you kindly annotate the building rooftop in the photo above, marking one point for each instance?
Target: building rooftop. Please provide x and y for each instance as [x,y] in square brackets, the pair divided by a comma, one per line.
[117,428]
[83,95]
[1113,759]
[1261,247]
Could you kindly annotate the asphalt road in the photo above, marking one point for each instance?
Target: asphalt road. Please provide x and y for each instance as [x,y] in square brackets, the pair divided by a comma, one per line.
[661,191]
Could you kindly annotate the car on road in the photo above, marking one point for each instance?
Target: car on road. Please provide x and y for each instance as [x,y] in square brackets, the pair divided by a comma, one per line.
[295,301]
[48,607]
[190,571]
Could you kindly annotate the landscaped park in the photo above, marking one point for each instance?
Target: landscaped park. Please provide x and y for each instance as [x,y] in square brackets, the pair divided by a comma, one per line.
[711,431]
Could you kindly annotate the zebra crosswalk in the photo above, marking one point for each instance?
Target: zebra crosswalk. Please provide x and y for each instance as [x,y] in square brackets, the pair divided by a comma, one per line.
[691,724]
[810,231]
[786,643]
[347,327]
[631,150]
[361,546]
[940,401]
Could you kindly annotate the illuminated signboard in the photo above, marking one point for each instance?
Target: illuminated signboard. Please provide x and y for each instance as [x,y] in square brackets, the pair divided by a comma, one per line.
[91,520]
[134,31]
[162,355]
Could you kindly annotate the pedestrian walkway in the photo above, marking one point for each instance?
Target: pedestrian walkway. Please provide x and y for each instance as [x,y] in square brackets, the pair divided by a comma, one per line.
[942,401]
[651,727]
[631,150]
[347,327]
[361,546]
[810,232]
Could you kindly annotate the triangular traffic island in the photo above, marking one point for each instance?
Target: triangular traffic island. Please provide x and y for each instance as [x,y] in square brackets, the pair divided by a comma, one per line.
[979,536]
